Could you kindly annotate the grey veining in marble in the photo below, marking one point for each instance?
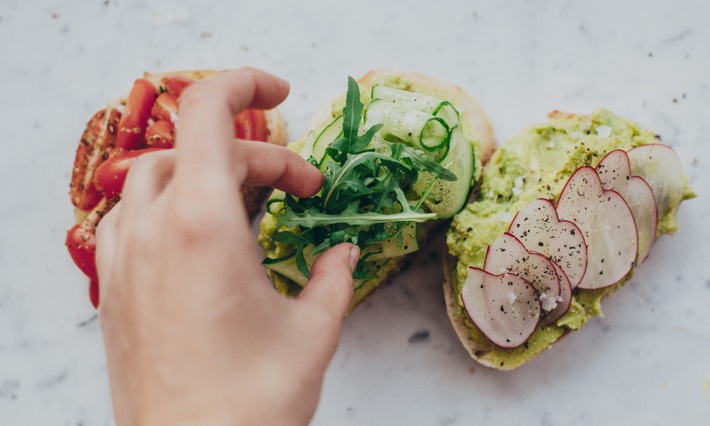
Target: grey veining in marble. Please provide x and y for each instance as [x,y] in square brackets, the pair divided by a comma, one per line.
[399,362]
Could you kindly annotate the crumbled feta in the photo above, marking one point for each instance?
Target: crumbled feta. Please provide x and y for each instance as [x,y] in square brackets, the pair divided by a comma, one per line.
[518,186]
[511,297]
[604,131]
[505,217]
[548,303]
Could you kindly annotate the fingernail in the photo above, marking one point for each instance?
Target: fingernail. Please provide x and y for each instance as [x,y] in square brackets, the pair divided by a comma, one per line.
[354,257]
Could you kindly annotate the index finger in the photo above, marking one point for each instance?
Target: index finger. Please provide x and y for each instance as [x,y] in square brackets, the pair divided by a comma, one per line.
[207,108]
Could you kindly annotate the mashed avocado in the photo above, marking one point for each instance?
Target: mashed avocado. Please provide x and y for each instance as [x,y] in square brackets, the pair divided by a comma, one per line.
[537,164]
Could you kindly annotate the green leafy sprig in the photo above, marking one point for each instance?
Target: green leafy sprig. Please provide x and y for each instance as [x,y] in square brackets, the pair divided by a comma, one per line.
[363,198]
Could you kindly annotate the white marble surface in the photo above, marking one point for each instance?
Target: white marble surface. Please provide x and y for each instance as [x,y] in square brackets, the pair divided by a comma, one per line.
[399,363]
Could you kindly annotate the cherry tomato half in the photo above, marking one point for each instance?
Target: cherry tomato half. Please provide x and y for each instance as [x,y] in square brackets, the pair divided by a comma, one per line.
[131,128]
[250,124]
[94,293]
[82,248]
[165,108]
[175,84]
[111,174]
[160,134]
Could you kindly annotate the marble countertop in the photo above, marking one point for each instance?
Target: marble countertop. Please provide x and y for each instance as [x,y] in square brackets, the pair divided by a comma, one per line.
[399,363]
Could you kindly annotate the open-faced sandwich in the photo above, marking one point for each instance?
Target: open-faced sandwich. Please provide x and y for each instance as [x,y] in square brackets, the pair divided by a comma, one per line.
[400,154]
[127,128]
[566,211]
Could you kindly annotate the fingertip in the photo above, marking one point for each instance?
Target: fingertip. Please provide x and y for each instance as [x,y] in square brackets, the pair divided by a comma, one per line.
[269,90]
[277,166]
[313,181]
[285,86]
[331,283]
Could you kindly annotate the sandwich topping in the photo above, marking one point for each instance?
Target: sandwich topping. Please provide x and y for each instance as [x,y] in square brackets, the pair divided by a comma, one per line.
[114,138]
[394,162]
[588,196]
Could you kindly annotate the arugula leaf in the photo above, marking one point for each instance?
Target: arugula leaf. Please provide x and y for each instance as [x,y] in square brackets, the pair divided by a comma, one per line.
[352,113]
[422,162]
[314,218]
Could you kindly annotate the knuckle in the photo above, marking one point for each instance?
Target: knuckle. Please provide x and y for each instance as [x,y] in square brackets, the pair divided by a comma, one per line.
[196,94]
[192,219]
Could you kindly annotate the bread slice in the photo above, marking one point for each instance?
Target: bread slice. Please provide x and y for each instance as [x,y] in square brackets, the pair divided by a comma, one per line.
[536,164]
[477,129]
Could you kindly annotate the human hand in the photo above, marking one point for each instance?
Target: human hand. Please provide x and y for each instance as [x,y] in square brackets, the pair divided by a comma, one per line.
[194,331]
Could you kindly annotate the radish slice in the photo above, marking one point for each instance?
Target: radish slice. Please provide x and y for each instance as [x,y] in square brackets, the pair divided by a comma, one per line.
[660,166]
[504,307]
[539,228]
[508,254]
[615,173]
[564,300]
[607,224]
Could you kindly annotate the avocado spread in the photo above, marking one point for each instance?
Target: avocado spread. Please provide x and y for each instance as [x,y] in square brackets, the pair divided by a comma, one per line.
[537,164]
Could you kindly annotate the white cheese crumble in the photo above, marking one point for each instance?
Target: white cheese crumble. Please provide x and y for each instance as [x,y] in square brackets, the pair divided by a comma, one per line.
[548,303]
[604,131]
[518,186]
[505,217]
[511,297]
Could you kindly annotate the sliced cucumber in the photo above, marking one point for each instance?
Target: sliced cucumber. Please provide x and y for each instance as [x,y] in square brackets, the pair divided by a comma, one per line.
[399,245]
[403,243]
[287,266]
[448,112]
[447,198]
[418,101]
[331,132]
[307,148]
[422,130]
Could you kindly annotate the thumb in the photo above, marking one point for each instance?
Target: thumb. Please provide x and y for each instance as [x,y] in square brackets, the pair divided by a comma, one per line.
[331,285]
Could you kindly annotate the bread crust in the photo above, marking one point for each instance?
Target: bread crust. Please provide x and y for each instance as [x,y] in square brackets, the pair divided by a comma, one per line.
[471,112]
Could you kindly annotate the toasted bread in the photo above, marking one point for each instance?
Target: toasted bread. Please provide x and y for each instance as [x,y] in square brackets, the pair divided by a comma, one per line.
[540,160]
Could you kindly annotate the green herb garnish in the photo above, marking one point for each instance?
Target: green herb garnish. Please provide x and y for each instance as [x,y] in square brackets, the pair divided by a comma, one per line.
[366,195]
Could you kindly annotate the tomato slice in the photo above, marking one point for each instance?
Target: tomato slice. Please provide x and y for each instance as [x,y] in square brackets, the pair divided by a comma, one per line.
[99,136]
[131,128]
[111,174]
[250,124]
[160,134]
[165,108]
[81,244]
[175,84]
